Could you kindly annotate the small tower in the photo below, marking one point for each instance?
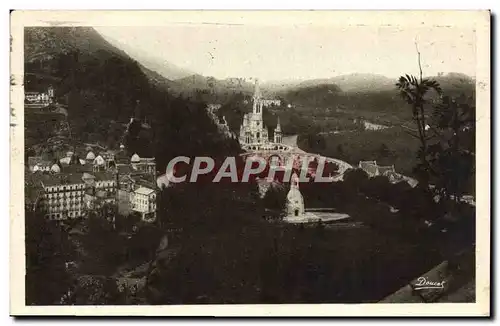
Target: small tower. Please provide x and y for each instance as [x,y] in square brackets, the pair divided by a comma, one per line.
[277,133]
[295,201]
[50,93]
[257,101]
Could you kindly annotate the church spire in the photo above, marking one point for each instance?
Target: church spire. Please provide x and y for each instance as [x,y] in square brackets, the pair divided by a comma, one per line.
[294,181]
[256,94]
[277,132]
[257,102]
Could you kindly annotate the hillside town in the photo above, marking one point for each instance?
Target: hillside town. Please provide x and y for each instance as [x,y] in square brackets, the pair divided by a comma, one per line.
[71,187]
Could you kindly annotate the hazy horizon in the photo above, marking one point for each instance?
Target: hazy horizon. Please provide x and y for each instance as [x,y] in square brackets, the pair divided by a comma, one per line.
[300,52]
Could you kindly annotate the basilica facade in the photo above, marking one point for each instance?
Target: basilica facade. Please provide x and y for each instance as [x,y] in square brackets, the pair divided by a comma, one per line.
[295,201]
[253,130]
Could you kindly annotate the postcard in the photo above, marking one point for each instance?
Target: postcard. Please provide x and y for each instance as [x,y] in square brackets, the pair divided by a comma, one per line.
[250,163]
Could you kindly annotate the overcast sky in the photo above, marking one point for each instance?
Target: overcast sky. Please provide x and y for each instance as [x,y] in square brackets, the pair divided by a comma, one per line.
[304,51]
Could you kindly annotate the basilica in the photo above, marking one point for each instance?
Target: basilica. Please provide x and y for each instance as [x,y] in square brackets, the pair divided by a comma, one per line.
[253,130]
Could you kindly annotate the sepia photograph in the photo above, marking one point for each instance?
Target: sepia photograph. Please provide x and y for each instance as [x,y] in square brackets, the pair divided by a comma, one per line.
[204,163]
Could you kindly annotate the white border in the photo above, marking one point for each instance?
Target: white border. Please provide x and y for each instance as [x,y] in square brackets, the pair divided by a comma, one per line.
[478,20]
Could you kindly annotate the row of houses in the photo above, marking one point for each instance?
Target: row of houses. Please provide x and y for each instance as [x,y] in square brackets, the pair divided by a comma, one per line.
[39,100]
[72,187]
[389,171]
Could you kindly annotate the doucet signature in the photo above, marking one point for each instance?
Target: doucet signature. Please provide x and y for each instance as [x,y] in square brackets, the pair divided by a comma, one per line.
[422,283]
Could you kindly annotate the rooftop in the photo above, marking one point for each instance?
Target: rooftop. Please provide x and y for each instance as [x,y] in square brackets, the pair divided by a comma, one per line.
[101,176]
[33,160]
[62,178]
[76,168]
[124,168]
[369,167]
[144,191]
[311,217]
[386,169]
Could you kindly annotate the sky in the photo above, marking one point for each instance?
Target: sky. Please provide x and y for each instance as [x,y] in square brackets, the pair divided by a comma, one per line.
[273,53]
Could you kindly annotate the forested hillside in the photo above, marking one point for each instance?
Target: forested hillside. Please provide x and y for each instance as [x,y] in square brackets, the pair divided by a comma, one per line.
[364,99]
[103,88]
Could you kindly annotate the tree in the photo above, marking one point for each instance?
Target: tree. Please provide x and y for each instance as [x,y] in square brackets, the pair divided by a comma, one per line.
[340,150]
[103,245]
[94,290]
[142,245]
[415,91]
[384,150]
[275,199]
[48,249]
[452,155]
[356,179]
[316,141]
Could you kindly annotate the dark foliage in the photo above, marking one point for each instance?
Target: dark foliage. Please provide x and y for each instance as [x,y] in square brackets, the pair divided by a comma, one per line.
[48,249]
[275,199]
[104,247]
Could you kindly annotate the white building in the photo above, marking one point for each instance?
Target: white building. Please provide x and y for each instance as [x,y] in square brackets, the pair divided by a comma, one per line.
[373,169]
[39,99]
[69,195]
[266,103]
[143,201]
[63,197]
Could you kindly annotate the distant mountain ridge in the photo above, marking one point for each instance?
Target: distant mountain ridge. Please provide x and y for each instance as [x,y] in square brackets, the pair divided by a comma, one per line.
[360,95]
[46,43]
[161,66]
[184,81]
[358,82]
[364,82]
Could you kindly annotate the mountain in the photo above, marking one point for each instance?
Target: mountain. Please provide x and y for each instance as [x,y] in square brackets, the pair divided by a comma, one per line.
[196,81]
[161,66]
[357,82]
[46,43]
[330,107]
[102,87]
[153,63]
[454,81]
[315,95]
[363,82]
[200,82]
[212,90]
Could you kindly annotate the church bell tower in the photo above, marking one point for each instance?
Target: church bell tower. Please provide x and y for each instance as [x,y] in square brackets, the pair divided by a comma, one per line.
[295,201]
[257,99]
[277,133]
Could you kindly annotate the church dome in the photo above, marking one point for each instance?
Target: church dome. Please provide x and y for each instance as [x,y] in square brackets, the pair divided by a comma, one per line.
[65,160]
[135,158]
[55,168]
[90,156]
[99,160]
